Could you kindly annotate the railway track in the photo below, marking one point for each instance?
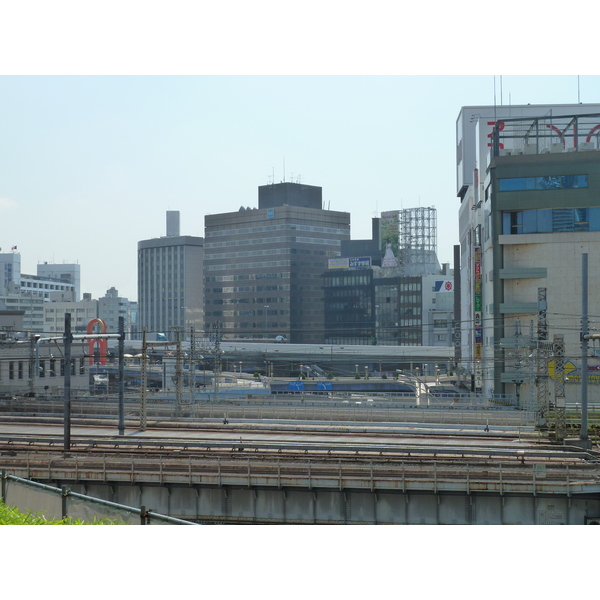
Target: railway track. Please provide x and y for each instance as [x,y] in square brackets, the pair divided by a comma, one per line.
[33,436]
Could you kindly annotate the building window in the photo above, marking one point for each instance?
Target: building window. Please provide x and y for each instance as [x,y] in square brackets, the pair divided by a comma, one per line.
[551,220]
[560,182]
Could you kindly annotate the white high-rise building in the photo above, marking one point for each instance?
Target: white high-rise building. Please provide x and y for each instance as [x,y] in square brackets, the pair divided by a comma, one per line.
[528,179]
[170,286]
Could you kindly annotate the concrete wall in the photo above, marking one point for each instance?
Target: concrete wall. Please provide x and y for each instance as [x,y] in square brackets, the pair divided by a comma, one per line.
[246,505]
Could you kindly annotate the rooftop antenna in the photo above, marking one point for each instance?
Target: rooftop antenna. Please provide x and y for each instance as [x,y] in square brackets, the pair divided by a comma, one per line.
[495,119]
[578,95]
[284,169]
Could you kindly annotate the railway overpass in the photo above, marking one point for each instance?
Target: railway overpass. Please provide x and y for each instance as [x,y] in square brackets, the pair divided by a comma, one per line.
[268,471]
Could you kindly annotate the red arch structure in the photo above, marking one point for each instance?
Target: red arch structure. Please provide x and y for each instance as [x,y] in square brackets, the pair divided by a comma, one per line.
[102,343]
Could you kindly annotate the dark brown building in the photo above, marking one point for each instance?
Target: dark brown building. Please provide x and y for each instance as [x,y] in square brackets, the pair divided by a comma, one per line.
[263,266]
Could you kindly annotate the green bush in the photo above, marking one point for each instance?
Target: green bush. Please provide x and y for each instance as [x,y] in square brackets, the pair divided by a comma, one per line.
[10,515]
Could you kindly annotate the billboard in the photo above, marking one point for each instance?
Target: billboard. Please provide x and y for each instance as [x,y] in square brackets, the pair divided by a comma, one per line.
[389,241]
[477,316]
[358,262]
[338,263]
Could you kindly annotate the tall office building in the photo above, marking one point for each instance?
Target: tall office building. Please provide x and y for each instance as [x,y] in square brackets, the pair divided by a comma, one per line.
[528,178]
[263,266]
[170,292]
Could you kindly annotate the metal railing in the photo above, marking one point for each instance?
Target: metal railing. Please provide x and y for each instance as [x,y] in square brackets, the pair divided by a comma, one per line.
[517,476]
[62,503]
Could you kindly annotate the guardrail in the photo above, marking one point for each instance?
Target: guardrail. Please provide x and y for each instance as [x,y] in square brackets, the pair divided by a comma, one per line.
[540,477]
[61,503]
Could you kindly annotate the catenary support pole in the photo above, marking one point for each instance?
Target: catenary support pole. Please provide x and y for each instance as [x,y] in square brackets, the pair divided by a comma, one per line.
[121,376]
[68,339]
[584,347]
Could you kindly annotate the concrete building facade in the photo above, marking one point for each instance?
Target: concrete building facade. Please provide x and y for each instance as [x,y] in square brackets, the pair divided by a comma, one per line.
[263,266]
[29,293]
[530,208]
[390,290]
[170,290]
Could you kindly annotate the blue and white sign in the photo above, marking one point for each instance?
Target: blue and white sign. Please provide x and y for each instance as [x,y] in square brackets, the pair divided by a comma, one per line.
[363,262]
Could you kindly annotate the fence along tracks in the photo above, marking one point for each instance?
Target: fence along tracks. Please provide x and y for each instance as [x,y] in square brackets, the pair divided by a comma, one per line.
[300,471]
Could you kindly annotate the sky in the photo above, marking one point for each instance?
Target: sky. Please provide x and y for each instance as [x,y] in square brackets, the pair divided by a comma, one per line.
[96,146]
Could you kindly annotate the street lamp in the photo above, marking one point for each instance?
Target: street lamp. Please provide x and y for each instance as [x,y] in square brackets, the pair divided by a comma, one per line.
[266,307]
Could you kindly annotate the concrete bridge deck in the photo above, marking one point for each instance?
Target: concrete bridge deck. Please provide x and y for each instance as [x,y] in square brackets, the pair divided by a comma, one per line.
[368,473]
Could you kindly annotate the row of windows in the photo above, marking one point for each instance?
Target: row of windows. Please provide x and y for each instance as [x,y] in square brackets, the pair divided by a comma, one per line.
[257,265]
[349,280]
[265,228]
[245,277]
[244,289]
[17,369]
[46,286]
[560,182]
[267,252]
[410,299]
[251,241]
[551,220]
[410,287]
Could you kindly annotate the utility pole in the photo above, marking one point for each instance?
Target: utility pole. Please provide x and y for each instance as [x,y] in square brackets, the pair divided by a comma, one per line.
[192,365]
[518,380]
[121,376]
[144,378]
[559,388]
[178,371]
[583,436]
[67,341]
[543,347]
[217,362]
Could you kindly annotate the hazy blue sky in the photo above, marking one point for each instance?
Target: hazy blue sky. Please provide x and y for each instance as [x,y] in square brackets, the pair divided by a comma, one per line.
[111,117]
[90,164]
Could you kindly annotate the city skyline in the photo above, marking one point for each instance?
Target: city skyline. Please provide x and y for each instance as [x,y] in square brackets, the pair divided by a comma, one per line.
[91,164]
